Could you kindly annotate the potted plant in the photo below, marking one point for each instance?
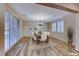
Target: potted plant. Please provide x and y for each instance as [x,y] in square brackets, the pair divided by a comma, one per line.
[70,35]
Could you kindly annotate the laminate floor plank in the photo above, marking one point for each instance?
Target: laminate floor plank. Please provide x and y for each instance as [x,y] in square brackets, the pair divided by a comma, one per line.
[53,48]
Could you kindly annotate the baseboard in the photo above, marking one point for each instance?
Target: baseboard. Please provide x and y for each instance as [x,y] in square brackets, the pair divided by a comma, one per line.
[57,39]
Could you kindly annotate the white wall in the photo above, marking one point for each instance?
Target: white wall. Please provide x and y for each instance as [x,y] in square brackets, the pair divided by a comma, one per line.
[69,21]
[21,28]
[77,32]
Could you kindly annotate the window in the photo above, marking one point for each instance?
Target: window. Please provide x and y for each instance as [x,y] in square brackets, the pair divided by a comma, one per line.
[6,31]
[11,30]
[62,26]
[58,26]
[53,27]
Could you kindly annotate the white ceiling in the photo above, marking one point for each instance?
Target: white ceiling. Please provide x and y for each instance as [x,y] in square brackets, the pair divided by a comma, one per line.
[35,12]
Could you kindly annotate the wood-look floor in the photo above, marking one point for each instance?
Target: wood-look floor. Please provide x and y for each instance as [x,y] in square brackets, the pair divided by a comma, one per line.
[16,49]
[53,48]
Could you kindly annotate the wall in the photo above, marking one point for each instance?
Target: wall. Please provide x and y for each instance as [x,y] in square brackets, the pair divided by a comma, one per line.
[1,29]
[77,32]
[69,21]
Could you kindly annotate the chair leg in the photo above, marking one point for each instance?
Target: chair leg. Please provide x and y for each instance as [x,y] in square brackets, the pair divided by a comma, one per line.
[33,39]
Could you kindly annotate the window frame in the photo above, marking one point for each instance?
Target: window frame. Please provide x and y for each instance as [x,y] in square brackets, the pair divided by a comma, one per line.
[9,18]
[59,26]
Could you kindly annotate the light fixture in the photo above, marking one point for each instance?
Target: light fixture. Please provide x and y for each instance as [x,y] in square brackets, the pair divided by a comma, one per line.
[39,17]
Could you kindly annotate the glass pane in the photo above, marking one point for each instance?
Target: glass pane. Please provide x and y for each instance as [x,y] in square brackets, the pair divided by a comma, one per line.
[6,25]
[62,26]
[6,31]
[54,27]
[58,26]
[12,35]
[6,40]
[62,23]
[12,38]
[14,30]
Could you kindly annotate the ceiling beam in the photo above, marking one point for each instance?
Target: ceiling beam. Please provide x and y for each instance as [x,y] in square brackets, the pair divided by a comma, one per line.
[52,5]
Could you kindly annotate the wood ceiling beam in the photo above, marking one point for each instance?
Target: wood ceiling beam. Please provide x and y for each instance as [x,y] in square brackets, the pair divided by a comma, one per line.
[52,5]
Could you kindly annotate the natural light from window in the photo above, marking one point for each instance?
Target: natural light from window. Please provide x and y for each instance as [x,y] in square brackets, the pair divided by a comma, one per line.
[58,26]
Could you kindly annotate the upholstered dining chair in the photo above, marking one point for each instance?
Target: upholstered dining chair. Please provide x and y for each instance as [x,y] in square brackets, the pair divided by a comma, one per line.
[34,36]
[44,37]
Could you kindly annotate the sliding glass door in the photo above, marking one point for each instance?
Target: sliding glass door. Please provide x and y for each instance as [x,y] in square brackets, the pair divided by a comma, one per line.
[7,31]
[11,30]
